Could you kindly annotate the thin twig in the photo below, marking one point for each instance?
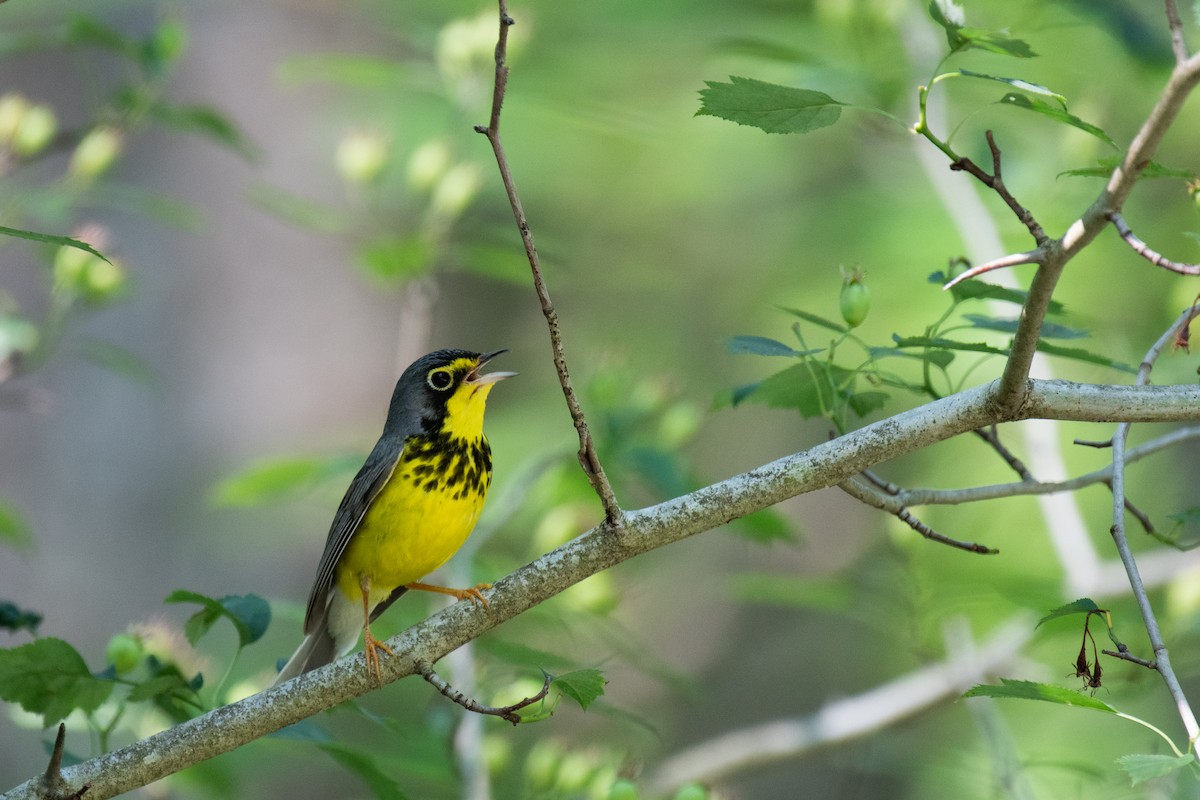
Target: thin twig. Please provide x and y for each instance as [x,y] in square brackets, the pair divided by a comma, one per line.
[1013,260]
[990,436]
[885,502]
[54,786]
[1175,23]
[588,457]
[1161,656]
[508,713]
[1144,250]
[1125,655]
[995,182]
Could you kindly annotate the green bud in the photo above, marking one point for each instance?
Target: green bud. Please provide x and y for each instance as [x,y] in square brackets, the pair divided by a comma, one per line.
[125,652]
[427,164]
[855,300]
[456,190]
[103,280]
[96,152]
[12,109]
[361,157]
[35,130]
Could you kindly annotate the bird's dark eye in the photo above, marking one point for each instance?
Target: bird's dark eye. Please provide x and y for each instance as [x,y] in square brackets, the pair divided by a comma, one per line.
[440,379]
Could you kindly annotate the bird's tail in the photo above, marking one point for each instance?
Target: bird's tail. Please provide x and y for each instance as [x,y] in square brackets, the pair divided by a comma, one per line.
[317,650]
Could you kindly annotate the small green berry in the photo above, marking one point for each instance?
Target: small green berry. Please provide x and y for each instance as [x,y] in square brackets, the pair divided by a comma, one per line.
[125,652]
[855,300]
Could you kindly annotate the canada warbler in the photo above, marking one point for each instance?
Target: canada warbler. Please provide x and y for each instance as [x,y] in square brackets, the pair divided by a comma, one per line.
[409,508]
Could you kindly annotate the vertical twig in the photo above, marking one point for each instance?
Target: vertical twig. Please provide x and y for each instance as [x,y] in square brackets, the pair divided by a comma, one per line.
[588,458]
[1175,23]
[1161,656]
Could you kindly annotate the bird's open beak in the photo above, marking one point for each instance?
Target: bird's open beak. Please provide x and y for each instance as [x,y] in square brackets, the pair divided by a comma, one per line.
[476,379]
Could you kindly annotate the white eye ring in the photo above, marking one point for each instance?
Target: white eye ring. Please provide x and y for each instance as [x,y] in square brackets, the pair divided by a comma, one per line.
[440,379]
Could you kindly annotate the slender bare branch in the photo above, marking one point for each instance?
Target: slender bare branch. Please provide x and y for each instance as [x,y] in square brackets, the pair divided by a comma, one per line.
[1162,658]
[864,492]
[1125,655]
[1175,23]
[588,457]
[1015,259]
[995,182]
[1144,250]
[508,713]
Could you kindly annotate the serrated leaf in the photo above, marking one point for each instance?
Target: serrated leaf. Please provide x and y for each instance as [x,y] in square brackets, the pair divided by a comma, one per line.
[815,319]
[863,403]
[768,106]
[1048,693]
[946,344]
[1016,83]
[14,619]
[249,613]
[1051,330]
[979,290]
[49,238]
[50,678]
[1141,768]
[950,16]
[939,358]
[811,388]
[583,686]
[1081,606]
[1105,167]
[1087,356]
[1039,106]
[760,346]
[157,686]
[360,763]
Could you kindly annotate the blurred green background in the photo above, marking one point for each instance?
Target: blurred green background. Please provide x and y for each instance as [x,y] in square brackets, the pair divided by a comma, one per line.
[196,428]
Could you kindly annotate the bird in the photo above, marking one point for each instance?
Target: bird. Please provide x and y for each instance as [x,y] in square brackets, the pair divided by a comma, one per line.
[411,506]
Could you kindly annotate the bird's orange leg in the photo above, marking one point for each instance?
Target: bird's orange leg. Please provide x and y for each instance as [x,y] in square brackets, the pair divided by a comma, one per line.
[371,645]
[472,594]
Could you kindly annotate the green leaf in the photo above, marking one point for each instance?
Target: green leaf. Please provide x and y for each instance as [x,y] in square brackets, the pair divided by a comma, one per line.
[1049,329]
[169,683]
[302,213]
[249,613]
[1083,355]
[939,358]
[395,258]
[49,238]
[14,531]
[812,388]
[1039,106]
[946,344]
[50,678]
[275,480]
[14,619]
[816,320]
[761,346]
[1105,167]
[950,16]
[1028,690]
[1141,768]
[583,686]
[1081,606]
[382,785]
[1016,83]
[764,527]
[863,403]
[203,121]
[768,106]
[83,30]
[978,290]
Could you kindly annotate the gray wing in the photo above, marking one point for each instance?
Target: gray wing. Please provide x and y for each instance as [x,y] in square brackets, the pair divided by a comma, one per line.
[363,490]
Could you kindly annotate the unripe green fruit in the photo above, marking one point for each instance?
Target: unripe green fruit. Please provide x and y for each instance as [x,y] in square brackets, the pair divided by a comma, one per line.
[96,152]
[35,130]
[855,300]
[125,652]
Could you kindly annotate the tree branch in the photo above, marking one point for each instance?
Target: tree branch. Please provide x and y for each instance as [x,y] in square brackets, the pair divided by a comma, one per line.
[1144,250]
[826,464]
[588,457]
